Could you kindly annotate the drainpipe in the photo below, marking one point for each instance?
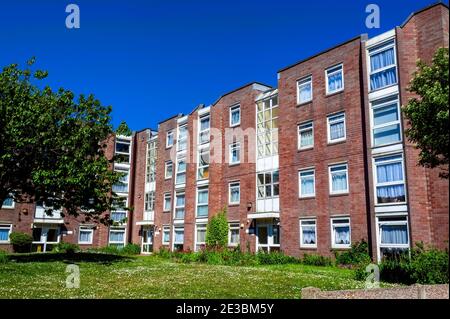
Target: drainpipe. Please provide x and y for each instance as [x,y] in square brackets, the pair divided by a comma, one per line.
[132,188]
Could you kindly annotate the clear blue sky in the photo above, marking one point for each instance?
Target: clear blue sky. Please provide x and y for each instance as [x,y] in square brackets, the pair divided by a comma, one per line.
[153,59]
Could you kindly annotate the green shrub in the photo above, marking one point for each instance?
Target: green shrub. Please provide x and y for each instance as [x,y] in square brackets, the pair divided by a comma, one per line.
[357,255]
[217,231]
[164,253]
[3,257]
[429,266]
[316,260]
[275,258]
[21,242]
[130,249]
[188,258]
[68,248]
[396,270]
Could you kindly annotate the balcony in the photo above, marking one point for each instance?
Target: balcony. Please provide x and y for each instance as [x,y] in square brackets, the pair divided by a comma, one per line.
[40,216]
[148,219]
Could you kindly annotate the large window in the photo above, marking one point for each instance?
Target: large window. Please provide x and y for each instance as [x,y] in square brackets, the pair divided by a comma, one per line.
[200,236]
[181,171]
[235,153]
[340,230]
[5,231]
[233,234]
[234,191]
[335,79]
[306,135]
[383,70]
[202,202]
[178,238]
[169,139]
[168,169]
[166,235]
[268,184]
[85,235]
[336,127]
[122,186]
[8,203]
[117,237]
[389,179]
[118,212]
[122,150]
[304,90]
[338,177]
[267,127]
[149,201]
[182,137]
[235,115]
[167,202]
[386,122]
[203,135]
[393,237]
[203,163]
[179,205]
[308,233]
[151,162]
[306,183]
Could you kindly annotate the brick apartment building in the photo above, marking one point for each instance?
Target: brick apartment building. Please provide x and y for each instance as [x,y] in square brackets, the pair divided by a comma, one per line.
[315,164]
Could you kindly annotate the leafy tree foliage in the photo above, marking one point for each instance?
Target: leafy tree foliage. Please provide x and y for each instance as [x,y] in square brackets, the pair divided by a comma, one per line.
[52,146]
[123,129]
[217,230]
[428,113]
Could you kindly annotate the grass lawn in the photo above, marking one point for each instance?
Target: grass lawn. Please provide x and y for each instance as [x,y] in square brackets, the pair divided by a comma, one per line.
[154,277]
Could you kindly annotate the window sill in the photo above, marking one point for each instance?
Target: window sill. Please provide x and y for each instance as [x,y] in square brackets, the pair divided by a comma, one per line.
[304,103]
[334,93]
[234,164]
[5,242]
[330,143]
[84,243]
[383,88]
[233,204]
[341,247]
[235,125]
[309,248]
[339,194]
[305,149]
[307,197]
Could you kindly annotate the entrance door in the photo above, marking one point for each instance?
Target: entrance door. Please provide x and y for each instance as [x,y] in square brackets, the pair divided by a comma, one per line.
[147,240]
[44,237]
[268,237]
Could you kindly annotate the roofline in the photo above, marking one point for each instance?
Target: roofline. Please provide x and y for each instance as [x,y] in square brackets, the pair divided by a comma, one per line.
[320,53]
[421,10]
[170,118]
[240,88]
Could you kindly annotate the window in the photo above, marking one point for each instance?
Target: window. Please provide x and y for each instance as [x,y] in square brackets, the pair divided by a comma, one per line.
[179,206]
[122,150]
[118,216]
[234,193]
[8,203]
[340,230]
[118,212]
[203,136]
[307,183]
[149,201]
[178,238]
[122,186]
[304,90]
[233,234]
[386,122]
[182,137]
[389,179]
[305,135]
[338,178]
[203,163]
[5,231]
[85,235]
[200,236]
[235,153]
[267,127]
[383,70]
[166,235]
[235,115]
[151,162]
[393,234]
[308,233]
[268,184]
[167,202]
[335,79]
[202,202]
[168,170]
[336,127]
[169,139]
[181,171]
[117,237]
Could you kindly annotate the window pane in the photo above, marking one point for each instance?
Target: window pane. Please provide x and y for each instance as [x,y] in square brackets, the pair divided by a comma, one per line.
[4,234]
[342,235]
[386,135]
[383,78]
[394,234]
[334,80]
[337,130]
[307,185]
[308,235]
[339,181]
[385,114]
[382,59]
[390,172]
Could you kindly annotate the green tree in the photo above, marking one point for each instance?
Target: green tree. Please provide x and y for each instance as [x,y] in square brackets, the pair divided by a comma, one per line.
[123,129]
[427,113]
[217,230]
[52,146]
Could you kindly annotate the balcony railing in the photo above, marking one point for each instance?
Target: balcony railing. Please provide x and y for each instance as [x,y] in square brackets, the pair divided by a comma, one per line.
[149,216]
[41,214]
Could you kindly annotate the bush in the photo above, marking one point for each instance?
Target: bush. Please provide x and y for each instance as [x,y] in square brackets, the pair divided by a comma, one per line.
[275,258]
[3,257]
[316,260]
[357,255]
[164,253]
[66,248]
[217,231]
[130,249]
[429,266]
[396,270]
[21,242]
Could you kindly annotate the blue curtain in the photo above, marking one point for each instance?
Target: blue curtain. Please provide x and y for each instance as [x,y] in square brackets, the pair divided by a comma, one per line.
[181,178]
[4,234]
[342,235]
[382,59]
[85,236]
[179,236]
[389,172]
[394,234]
[309,235]
[202,210]
[339,181]
[116,236]
[383,78]
[8,202]
[335,82]
[305,93]
[235,116]
[118,216]
[235,194]
[166,236]
[337,130]
[307,185]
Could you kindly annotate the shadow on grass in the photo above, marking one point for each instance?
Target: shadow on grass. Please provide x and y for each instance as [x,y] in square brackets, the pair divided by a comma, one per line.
[101,258]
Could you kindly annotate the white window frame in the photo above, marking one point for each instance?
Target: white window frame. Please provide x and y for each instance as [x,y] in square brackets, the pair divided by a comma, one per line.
[232,110]
[302,245]
[123,141]
[231,148]
[199,226]
[404,221]
[85,229]
[337,140]
[10,206]
[385,45]
[197,204]
[175,207]
[306,170]
[149,201]
[117,229]
[333,226]
[175,228]
[376,105]
[9,228]
[127,182]
[166,166]
[303,82]
[272,184]
[183,139]
[268,104]
[231,185]
[181,159]
[233,226]
[169,196]
[375,176]
[199,166]
[169,133]
[204,131]
[330,184]
[165,229]
[341,65]
[150,170]
[301,128]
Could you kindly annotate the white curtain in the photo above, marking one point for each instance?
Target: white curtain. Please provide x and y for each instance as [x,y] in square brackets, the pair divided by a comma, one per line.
[339,181]
[342,235]
[335,81]
[305,92]
[179,236]
[307,185]
[85,236]
[116,236]
[306,138]
[337,130]
[309,235]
